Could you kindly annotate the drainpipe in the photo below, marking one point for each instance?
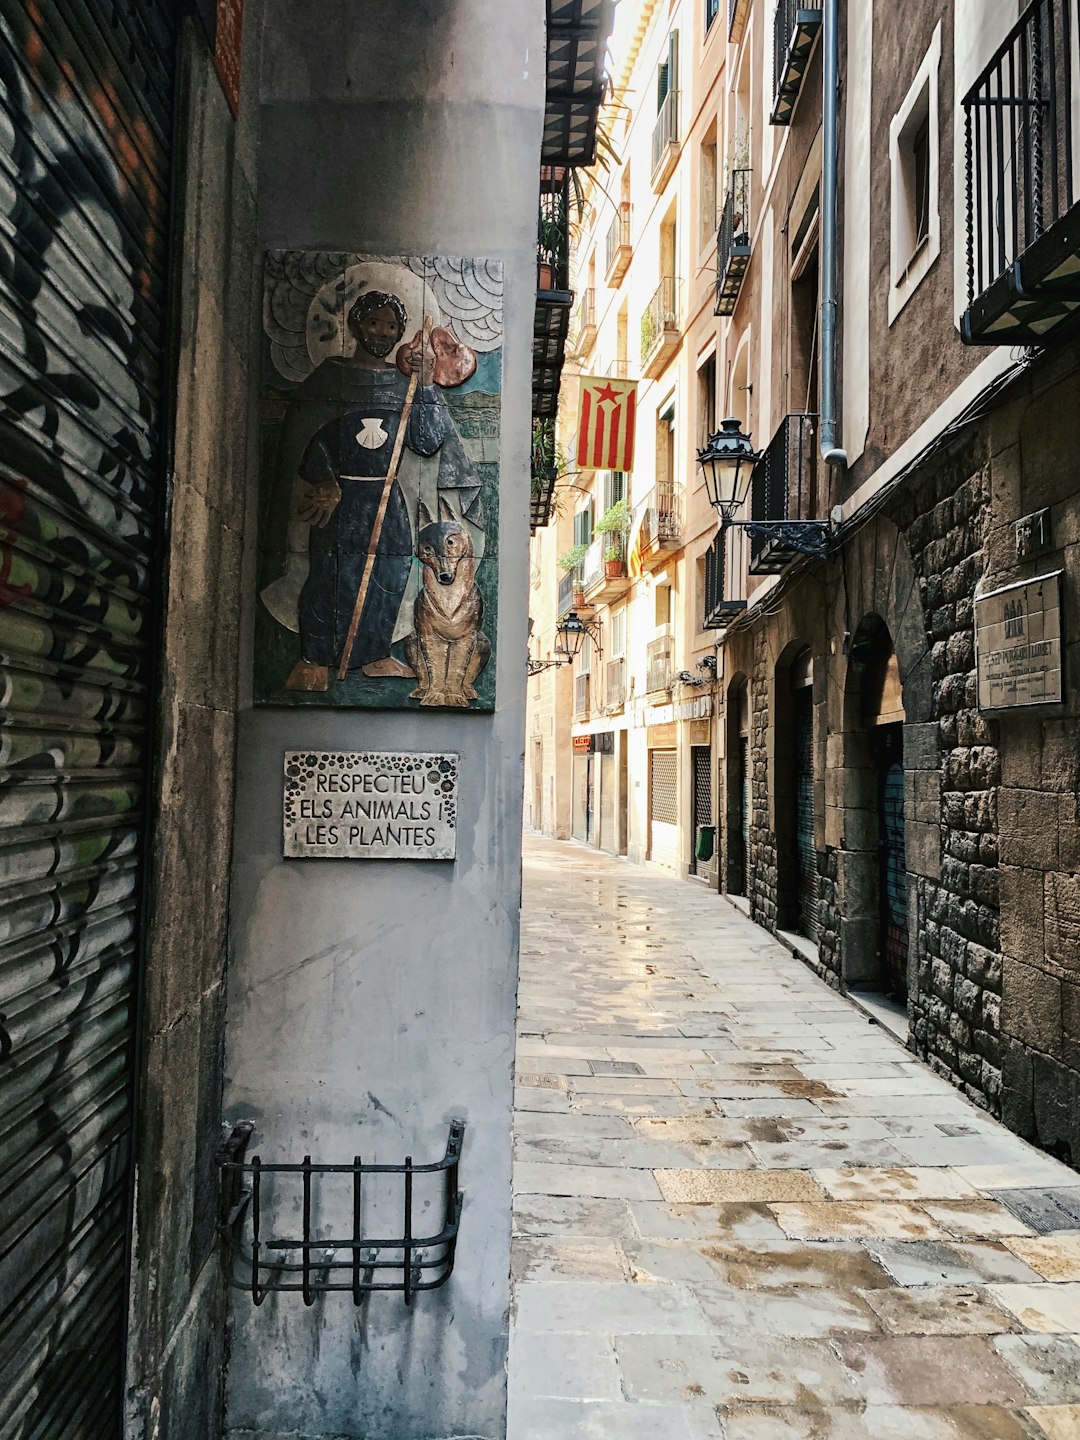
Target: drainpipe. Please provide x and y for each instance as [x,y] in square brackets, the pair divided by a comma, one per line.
[830,452]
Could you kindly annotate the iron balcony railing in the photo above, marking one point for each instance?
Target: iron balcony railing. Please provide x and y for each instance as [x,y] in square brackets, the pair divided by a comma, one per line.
[618,237]
[795,28]
[720,607]
[661,315]
[592,567]
[1018,130]
[784,485]
[570,582]
[733,242]
[666,130]
[661,522]
[581,695]
[553,232]
[583,323]
[615,682]
[659,664]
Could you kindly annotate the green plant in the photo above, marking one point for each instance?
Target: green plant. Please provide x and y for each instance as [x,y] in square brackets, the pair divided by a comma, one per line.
[648,333]
[573,557]
[615,520]
[616,550]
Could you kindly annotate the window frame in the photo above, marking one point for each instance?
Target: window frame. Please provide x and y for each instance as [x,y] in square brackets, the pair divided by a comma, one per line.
[911,254]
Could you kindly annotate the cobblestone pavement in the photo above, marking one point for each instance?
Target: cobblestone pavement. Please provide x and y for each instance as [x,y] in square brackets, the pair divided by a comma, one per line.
[744,1211]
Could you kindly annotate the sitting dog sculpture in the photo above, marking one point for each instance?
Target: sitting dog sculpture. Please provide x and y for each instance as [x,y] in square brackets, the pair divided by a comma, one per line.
[447,649]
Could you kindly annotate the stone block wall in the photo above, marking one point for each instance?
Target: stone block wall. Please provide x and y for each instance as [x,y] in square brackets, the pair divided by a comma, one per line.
[955,1004]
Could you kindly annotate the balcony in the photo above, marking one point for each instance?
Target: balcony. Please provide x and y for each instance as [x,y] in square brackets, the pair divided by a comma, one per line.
[551,318]
[1023,219]
[659,664]
[660,328]
[604,580]
[543,473]
[615,684]
[569,586]
[660,530]
[720,609]
[784,499]
[577,39]
[581,696]
[583,324]
[736,24]
[795,28]
[665,140]
[733,243]
[617,247]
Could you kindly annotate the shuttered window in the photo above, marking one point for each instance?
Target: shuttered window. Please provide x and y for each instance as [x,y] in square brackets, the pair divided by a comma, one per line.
[807,922]
[86,112]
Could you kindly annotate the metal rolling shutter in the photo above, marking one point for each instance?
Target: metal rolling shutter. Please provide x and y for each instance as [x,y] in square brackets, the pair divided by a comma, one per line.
[85,125]
[663,787]
[744,781]
[894,895]
[804,814]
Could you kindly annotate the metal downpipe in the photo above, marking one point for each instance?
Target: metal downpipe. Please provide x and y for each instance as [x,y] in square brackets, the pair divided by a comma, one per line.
[830,452]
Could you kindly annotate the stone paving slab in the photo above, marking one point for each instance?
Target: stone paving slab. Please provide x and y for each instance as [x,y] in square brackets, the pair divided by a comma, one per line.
[778,1225]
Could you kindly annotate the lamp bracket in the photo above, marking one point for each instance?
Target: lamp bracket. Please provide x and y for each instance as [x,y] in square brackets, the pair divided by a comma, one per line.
[807,537]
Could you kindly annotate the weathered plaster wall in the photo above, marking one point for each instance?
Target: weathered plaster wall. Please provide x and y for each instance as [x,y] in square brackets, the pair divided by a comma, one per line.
[176,1344]
[372,1001]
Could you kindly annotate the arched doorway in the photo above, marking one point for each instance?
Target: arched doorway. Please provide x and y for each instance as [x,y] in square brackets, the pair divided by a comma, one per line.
[738,787]
[876,767]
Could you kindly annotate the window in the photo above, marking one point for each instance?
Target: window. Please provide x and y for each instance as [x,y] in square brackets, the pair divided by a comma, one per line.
[618,633]
[667,73]
[712,9]
[707,217]
[915,229]
[585,656]
[583,523]
[706,399]
[663,605]
[614,488]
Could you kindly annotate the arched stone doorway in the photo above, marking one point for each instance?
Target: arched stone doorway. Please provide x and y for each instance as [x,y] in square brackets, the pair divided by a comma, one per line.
[877,949]
[737,787]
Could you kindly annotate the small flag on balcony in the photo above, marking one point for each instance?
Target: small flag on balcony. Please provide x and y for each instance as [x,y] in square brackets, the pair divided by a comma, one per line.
[606,424]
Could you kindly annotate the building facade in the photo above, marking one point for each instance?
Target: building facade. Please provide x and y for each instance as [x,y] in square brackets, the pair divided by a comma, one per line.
[268,277]
[894,741]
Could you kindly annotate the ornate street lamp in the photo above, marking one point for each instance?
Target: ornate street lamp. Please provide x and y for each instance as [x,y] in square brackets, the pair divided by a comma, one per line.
[728,460]
[570,635]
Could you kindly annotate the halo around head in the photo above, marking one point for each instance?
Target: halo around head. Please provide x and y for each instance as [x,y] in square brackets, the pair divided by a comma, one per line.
[327,332]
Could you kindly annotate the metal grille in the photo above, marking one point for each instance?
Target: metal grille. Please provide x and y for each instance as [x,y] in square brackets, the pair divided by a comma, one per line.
[893,901]
[87,97]
[783,486]
[663,787]
[349,1261]
[807,894]
[701,768]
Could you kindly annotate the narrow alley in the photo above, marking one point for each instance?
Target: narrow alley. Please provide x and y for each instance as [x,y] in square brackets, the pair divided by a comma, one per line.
[743,1210]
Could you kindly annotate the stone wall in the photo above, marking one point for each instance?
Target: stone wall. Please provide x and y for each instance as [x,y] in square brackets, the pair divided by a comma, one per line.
[177,1305]
[955,1004]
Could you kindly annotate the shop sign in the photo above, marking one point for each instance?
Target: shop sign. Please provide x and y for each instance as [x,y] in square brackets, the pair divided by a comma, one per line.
[1018,644]
[662,737]
[699,708]
[582,744]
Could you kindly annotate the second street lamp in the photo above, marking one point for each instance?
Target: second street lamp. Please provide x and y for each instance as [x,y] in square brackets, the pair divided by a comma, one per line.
[570,635]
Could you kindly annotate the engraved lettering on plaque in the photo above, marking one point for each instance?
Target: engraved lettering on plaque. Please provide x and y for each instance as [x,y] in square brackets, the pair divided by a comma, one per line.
[369,805]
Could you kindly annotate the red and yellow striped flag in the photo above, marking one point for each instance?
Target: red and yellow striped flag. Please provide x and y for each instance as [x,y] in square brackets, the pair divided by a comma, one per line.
[606,424]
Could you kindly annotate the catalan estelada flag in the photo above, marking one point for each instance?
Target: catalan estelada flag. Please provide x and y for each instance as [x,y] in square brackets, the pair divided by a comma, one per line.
[606,424]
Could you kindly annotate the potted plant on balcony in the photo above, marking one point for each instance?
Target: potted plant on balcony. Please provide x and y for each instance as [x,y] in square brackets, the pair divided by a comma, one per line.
[571,562]
[552,243]
[614,524]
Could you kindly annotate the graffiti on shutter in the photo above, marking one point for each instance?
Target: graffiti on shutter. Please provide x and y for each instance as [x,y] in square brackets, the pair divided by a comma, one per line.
[85,116]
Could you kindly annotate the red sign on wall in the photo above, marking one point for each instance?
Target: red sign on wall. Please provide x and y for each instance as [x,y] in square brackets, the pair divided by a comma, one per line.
[228,37]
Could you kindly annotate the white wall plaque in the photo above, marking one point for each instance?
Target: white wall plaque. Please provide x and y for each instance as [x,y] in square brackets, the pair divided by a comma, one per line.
[370,805]
[1018,644]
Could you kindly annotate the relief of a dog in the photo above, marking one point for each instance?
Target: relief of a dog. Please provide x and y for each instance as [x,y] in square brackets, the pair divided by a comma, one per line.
[447,649]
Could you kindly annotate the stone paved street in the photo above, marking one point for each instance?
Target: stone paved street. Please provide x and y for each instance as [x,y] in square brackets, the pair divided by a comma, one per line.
[744,1211]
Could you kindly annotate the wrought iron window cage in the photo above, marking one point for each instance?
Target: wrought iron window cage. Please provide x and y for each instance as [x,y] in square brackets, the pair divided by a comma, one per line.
[784,500]
[1021,194]
[733,242]
[351,1262]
